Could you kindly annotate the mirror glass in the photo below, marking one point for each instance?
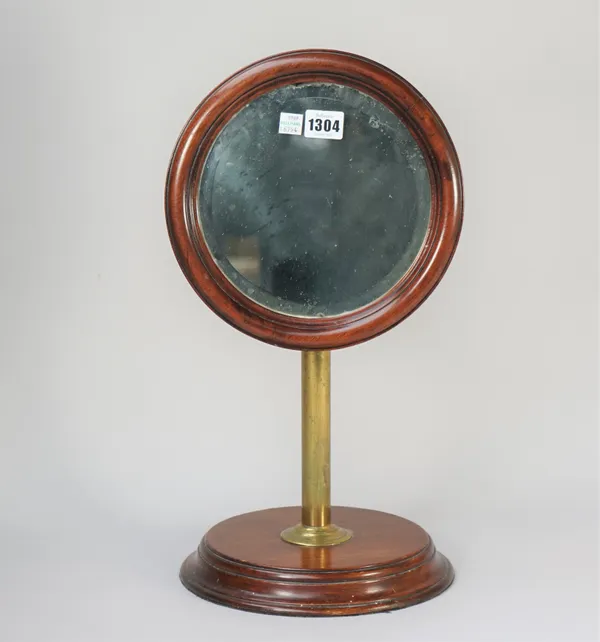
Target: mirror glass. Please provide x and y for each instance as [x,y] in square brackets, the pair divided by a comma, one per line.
[314,199]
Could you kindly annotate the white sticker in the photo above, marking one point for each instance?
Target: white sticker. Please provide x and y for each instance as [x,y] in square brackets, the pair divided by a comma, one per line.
[290,124]
[324,124]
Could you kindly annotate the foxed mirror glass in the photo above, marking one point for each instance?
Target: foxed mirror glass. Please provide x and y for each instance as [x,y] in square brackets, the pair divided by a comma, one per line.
[314,199]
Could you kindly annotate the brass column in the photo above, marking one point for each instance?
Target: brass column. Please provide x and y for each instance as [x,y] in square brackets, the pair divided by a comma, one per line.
[316,438]
[316,528]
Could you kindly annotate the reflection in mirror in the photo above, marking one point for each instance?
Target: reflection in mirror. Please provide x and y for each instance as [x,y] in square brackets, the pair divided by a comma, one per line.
[310,226]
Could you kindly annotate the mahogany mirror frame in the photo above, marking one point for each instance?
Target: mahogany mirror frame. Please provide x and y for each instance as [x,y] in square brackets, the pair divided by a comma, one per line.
[183,180]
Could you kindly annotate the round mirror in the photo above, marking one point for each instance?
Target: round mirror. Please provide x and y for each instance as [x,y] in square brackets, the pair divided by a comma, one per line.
[314,226]
[314,199]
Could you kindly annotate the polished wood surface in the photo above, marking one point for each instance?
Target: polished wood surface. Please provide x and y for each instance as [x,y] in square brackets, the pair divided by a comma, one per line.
[188,160]
[389,563]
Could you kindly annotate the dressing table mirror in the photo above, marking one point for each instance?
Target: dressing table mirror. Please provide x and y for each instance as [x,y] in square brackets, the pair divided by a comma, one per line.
[314,201]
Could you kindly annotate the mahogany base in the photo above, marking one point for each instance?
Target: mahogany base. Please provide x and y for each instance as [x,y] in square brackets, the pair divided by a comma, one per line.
[388,564]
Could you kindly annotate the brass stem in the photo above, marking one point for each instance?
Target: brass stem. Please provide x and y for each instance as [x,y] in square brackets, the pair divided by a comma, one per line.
[316,528]
[316,438]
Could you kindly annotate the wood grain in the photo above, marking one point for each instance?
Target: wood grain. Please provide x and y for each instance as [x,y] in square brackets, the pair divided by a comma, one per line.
[390,563]
[195,142]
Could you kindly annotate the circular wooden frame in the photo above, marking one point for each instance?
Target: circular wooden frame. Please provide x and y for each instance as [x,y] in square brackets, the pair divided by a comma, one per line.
[187,163]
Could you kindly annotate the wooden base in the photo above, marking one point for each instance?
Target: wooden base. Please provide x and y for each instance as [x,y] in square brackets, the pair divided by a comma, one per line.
[388,564]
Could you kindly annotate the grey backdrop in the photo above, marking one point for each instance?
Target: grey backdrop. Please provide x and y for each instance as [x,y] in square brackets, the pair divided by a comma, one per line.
[132,418]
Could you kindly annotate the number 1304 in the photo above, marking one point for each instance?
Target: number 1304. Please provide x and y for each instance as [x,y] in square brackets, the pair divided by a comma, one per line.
[320,124]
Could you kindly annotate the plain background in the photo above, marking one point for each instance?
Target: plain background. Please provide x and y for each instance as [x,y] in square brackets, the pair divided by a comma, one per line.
[132,418]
